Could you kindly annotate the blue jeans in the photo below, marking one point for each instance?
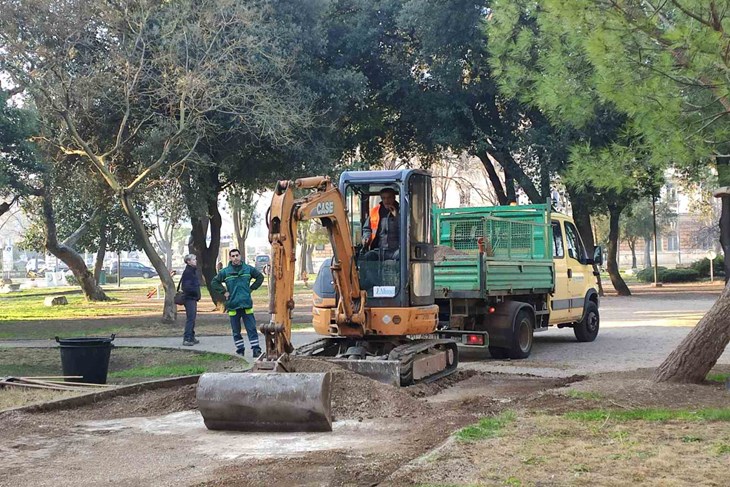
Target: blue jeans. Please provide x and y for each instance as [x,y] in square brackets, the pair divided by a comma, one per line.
[249,321]
[191,310]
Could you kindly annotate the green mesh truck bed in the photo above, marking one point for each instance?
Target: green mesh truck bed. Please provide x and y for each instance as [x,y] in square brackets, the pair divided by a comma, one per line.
[493,250]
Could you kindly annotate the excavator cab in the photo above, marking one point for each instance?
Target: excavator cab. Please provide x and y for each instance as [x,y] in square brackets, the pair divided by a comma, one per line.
[395,267]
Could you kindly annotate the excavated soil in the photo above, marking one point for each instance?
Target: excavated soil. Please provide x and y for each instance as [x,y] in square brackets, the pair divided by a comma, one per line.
[441,251]
[358,397]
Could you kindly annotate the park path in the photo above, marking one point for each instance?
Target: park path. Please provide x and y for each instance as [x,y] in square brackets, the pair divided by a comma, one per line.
[636,332]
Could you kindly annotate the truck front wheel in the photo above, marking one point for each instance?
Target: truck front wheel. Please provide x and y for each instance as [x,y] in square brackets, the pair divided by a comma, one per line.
[586,330]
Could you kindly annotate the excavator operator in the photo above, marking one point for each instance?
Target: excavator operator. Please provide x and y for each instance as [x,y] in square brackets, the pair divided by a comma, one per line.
[381,230]
[381,234]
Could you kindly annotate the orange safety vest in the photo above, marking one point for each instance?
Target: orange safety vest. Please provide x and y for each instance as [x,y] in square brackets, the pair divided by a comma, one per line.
[374,221]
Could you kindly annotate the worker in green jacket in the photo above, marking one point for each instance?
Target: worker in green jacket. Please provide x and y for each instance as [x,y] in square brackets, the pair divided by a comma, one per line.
[236,278]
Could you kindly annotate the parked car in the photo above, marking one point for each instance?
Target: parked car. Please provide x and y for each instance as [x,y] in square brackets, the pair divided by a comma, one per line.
[133,269]
[263,263]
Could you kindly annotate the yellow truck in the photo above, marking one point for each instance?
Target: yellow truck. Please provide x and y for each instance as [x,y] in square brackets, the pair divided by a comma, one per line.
[503,273]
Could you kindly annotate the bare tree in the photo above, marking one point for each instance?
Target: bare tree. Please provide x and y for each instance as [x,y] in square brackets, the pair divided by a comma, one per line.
[243,210]
[138,84]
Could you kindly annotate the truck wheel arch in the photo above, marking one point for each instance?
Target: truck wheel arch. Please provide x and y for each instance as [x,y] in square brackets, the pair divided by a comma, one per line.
[502,321]
[591,296]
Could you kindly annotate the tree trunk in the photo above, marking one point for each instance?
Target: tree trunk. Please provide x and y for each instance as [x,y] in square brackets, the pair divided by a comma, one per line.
[582,219]
[99,262]
[208,254]
[647,252]
[493,178]
[310,259]
[725,234]
[69,256]
[303,251]
[613,237]
[632,246]
[169,310]
[699,351]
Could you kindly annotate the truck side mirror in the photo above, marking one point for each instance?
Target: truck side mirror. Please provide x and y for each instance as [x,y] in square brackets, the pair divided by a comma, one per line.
[598,255]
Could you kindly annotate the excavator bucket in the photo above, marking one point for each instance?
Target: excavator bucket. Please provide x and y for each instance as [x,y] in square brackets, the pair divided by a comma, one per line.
[266,402]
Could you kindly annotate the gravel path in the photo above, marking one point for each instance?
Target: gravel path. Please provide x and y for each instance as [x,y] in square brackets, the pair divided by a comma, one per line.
[637,331]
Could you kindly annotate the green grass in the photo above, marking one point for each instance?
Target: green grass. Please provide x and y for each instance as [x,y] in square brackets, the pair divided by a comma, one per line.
[486,427]
[722,448]
[29,305]
[126,365]
[590,396]
[722,414]
[722,378]
[196,363]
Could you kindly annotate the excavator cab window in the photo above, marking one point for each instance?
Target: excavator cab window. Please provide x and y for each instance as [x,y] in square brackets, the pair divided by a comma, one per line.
[377,235]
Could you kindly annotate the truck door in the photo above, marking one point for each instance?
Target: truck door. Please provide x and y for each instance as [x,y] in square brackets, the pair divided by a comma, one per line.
[577,277]
[560,299]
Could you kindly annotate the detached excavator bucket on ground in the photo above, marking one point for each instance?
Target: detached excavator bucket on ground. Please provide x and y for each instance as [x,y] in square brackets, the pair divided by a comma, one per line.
[266,402]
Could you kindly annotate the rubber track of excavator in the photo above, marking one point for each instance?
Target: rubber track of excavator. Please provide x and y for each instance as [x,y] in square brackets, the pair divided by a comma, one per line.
[405,353]
[408,352]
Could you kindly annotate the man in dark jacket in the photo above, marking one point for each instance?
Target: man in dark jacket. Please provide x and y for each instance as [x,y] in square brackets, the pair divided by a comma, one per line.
[191,287]
[237,277]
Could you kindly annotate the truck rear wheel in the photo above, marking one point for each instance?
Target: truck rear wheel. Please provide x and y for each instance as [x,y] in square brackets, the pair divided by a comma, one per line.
[586,330]
[498,353]
[521,345]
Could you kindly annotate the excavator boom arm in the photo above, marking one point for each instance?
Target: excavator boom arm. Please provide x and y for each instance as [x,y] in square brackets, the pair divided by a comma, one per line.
[326,203]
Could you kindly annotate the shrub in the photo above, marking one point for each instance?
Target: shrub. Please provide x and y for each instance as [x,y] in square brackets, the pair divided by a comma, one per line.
[71,280]
[680,275]
[702,266]
[668,275]
[647,275]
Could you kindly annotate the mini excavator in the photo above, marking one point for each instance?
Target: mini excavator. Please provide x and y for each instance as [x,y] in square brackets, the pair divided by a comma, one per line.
[379,323]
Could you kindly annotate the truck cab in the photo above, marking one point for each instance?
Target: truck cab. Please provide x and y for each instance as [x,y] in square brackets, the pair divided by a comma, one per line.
[576,284]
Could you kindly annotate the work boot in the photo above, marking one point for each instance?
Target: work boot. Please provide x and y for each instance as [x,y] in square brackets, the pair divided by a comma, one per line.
[256,352]
[241,351]
[196,341]
[188,343]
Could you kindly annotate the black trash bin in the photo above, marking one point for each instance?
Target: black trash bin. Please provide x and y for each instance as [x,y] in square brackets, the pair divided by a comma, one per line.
[86,357]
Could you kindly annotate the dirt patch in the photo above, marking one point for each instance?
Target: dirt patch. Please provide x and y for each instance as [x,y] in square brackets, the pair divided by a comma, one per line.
[632,390]
[358,397]
[538,449]
[386,435]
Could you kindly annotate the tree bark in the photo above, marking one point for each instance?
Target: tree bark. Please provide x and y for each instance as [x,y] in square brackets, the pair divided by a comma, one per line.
[99,262]
[208,254]
[697,354]
[612,265]
[725,234]
[582,219]
[67,255]
[303,250]
[632,246]
[647,252]
[493,178]
[516,173]
[5,206]
[169,310]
